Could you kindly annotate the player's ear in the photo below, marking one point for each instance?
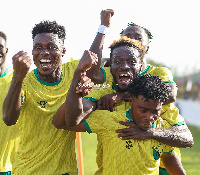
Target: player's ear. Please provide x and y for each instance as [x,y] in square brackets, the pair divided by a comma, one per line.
[130,101]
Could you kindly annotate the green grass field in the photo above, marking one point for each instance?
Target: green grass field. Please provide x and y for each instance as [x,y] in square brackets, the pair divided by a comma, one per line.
[190,156]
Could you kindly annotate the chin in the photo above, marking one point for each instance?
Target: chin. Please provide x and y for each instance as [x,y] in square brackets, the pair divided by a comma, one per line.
[45,72]
[123,88]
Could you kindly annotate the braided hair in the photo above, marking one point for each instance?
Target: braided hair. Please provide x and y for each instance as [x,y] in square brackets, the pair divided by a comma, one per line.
[151,87]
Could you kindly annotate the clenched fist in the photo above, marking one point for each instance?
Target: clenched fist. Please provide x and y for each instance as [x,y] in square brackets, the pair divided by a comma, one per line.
[106,17]
[21,64]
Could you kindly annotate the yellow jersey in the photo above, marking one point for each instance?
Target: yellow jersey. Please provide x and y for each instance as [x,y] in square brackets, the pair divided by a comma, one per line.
[169,112]
[121,157]
[43,148]
[9,135]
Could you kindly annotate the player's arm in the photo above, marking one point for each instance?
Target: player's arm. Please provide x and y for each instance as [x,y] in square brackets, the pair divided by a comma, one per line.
[105,62]
[95,73]
[172,163]
[13,100]
[108,101]
[176,136]
[60,123]
[74,110]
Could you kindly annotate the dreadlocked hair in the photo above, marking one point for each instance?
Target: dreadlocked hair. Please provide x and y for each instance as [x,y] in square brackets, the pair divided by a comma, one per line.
[125,41]
[151,87]
[146,30]
[49,27]
[3,35]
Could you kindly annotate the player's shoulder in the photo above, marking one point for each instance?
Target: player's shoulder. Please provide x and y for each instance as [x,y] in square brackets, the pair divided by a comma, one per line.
[71,63]
[159,68]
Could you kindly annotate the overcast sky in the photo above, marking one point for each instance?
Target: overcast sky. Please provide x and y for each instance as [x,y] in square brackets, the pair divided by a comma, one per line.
[173,23]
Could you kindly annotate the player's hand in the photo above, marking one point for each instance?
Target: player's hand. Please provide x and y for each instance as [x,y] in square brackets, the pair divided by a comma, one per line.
[21,64]
[85,85]
[106,17]
[88,60]
[133,132]
[108,101]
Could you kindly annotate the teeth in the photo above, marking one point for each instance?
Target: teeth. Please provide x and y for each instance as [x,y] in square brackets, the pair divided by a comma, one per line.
[44,66]
[124,75]
[45,61]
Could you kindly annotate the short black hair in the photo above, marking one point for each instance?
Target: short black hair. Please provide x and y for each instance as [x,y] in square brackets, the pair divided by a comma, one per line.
[151,87]
[49,27]
[150,36]
[3,35]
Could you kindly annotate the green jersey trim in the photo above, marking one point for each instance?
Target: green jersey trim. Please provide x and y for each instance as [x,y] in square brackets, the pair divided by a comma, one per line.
[170,151]
[145,71]
[87,126]
[2,75]
[163,171]
[6,173]
[104,73]
[46,83]
[90,98]
[180,123]
[128,116]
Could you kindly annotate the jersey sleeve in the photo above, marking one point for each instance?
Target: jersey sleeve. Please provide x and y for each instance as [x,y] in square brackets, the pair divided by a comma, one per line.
[164,73]
[171,114]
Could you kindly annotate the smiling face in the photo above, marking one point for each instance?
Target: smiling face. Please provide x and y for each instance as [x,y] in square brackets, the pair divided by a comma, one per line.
[125,66]
[144,113]
[47,53]
[137,33]
[3,51]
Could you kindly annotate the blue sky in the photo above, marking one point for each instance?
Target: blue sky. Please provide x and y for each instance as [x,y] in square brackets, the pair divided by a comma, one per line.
[174,25]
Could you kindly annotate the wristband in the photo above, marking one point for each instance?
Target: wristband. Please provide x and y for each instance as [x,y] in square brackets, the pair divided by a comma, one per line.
[102,29]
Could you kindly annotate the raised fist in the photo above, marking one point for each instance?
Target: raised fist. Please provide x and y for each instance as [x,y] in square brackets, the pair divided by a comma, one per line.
[21,64]
[88,60]
[106,16]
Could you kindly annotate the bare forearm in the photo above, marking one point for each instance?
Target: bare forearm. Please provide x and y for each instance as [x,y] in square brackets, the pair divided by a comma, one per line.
[177,136]
[12,102]
[172,164]
[95,73]
[73,104]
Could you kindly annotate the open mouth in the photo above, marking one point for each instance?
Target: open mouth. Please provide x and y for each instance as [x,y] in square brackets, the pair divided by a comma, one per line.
[124,78]
[45,63]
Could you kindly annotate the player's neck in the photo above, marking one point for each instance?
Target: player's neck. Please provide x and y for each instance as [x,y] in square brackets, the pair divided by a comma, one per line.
[55,76]
[2,69]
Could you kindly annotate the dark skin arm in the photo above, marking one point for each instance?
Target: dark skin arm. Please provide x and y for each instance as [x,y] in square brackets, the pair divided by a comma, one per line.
[172,163]
[176,136]
[12,102]
[59,119]
[74,111]
[95,73]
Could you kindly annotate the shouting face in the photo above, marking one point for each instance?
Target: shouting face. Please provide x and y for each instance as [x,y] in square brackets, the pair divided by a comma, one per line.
[125,66]
[47,53]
